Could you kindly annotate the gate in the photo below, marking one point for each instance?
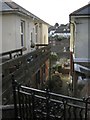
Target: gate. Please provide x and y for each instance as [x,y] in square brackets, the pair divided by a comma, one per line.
[34,104]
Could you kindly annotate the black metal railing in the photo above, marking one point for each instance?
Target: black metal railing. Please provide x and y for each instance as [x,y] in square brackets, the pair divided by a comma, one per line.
[17,52]
[34,104]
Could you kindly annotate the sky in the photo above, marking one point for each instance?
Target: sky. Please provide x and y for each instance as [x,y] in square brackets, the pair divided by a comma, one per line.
[52,11]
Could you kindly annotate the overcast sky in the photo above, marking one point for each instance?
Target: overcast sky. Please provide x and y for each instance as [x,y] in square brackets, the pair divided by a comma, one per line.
[52,11]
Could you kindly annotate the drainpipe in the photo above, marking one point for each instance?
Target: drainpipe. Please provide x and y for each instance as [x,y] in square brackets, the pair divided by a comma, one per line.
[73,73]
[71,52]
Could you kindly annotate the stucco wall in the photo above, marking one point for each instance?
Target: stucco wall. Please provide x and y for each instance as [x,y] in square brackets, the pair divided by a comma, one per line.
[44,38]
[8,32]
[11,36]
[79,41]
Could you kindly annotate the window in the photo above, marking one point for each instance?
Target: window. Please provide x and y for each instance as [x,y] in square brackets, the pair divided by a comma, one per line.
[36,33]
[31,37]
[22,32]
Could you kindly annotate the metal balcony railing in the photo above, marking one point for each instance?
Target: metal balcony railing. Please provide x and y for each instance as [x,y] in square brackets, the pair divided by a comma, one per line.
[34,104]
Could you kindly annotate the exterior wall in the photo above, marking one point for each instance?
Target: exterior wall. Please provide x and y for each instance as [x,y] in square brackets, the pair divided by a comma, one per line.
[11,36]
[44,37]
[0,35]
[79,37]
[81,43]
[8,32]
[11,32]
[79,47]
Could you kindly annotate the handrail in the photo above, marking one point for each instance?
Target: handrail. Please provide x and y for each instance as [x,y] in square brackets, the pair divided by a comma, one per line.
[45,104]
[11,52]
[23,68]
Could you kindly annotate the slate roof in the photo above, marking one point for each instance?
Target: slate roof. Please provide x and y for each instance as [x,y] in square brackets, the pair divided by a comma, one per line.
[52,28]
[85,10]
[12,7]
[60,29]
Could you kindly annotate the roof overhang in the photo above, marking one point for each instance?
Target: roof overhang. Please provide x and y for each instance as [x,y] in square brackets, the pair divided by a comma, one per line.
[81,69]
[16,9]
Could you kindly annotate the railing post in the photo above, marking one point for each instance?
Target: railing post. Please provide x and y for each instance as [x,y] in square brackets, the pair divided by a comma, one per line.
[14,84]
[47,104]
[86,107]
[64,113]
[50,69]
[19,101]
[33,107]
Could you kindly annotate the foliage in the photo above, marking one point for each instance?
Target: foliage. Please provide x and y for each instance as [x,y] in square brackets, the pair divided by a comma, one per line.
[55,83]
[54,56]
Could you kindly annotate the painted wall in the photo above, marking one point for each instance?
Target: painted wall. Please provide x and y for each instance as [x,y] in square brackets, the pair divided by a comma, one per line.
[8,32]
[0,35]
[79,38]
[44,34]
[11,36]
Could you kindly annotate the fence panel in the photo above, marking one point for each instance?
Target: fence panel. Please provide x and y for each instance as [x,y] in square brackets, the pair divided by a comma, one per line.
[22,67]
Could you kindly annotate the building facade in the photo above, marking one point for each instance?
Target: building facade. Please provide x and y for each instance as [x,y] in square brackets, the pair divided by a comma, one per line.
[25,31]
[79,47]
[21,29]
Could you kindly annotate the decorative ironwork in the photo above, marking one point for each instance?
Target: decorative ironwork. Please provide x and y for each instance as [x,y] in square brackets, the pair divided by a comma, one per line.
[34,104]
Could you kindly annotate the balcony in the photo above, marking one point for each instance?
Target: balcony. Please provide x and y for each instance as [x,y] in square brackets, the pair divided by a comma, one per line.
[35,104]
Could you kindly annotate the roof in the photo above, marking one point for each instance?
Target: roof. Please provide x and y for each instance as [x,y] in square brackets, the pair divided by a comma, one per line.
[81,69]
[60,29]
[12,7]
[51,28]
[63,29]
[85,10]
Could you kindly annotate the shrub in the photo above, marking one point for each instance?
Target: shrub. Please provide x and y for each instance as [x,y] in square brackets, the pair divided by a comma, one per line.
[55,83]
[54,56]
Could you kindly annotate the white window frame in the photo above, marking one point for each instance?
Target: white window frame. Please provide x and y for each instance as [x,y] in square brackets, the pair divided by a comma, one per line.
[22,32]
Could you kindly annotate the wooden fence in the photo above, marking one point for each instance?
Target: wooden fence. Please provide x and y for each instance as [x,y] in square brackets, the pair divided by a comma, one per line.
[22,67]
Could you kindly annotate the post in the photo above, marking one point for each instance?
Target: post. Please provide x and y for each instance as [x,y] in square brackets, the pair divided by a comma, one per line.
[49,70]
[33,115]
[47,103]
[14,83]
[64,114]
[75,78]
[87,106]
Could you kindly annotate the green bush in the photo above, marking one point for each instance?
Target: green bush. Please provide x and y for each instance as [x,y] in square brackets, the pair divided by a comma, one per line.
[54,56]
[55,83]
